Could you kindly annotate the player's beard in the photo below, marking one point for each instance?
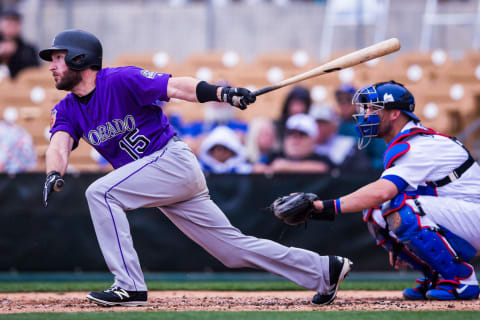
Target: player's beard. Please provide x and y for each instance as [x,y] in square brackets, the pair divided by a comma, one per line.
[69,80]
[385,127]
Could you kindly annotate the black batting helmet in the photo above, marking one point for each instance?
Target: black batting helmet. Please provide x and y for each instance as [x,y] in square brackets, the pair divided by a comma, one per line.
[84,50]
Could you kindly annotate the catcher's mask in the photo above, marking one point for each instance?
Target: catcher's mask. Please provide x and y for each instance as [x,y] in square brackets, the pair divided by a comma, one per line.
[379,96]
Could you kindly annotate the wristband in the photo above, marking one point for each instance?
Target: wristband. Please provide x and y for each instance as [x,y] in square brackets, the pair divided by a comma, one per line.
[329,207]
[338,209]
[332,206]
[328,212]
[206,92]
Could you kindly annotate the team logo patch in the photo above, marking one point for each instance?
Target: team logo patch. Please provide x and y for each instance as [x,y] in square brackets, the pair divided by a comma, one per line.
[388,97]
[148,74]
[53,117]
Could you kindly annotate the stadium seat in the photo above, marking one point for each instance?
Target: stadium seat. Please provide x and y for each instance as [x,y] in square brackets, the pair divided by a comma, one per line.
[215,60]
[36,77]
[288,60]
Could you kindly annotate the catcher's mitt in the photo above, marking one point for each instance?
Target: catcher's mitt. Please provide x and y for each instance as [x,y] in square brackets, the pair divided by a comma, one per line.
[294,209]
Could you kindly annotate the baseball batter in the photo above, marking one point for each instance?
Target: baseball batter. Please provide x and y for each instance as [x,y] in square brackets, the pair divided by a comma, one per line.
[425,208]
[115,110]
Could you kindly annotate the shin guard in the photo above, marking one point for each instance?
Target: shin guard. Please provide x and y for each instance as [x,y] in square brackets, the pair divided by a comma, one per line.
[426,242]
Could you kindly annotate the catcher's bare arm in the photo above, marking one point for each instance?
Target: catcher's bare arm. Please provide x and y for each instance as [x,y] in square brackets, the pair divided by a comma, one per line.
[368,196]
[297,208]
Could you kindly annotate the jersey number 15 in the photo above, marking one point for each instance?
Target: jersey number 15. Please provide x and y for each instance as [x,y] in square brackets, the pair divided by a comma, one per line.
[134,144]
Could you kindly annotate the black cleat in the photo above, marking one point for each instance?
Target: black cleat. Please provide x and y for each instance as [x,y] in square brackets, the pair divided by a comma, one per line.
[116,296]
[339,268]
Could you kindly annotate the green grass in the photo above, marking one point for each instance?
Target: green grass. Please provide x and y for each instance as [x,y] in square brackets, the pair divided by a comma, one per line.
[196,285]
[252,315]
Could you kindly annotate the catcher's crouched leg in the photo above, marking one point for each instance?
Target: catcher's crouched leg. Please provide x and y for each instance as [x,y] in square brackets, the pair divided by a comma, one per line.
[400,255]
[431,247]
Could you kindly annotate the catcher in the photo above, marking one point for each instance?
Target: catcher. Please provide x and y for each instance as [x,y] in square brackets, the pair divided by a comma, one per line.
[425,208]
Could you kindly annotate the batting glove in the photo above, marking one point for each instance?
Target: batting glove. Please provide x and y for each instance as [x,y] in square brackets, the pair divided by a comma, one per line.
[53,182]
[238,97]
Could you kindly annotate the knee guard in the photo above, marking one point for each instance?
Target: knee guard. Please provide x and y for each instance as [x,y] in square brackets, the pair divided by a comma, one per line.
[378,230]
[426,242]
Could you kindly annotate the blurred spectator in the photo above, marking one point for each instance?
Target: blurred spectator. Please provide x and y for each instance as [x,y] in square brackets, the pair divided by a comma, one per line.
[261,141]
[15,53]
[341,150]
[215,114]
[343,96]
[222,152]
[298,149]
[17,153]
[297,101]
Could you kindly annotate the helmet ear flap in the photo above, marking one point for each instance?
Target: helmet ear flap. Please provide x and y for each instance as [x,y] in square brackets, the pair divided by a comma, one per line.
[79,60]
[75,60]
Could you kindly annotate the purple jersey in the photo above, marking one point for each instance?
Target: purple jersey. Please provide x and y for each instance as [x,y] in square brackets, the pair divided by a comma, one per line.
[122,120]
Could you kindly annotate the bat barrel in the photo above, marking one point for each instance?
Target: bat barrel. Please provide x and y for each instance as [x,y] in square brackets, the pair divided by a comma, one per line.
[346,61]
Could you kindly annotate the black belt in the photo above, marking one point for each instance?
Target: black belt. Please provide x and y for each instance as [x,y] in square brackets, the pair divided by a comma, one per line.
[457,173]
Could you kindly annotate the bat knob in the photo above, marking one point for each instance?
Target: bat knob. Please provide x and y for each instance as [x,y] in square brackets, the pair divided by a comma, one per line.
[58,186]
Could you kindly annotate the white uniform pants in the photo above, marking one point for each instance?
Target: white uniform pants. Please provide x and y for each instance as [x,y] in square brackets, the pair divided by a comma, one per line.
[459,216]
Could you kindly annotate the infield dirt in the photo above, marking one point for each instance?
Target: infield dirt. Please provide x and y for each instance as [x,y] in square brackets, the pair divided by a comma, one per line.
[228,300]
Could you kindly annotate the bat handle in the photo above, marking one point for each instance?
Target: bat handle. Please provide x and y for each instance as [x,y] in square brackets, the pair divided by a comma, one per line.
[264,90]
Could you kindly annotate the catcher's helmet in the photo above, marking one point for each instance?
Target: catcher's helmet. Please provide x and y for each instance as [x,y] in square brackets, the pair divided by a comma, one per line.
[84,50]
[383,95]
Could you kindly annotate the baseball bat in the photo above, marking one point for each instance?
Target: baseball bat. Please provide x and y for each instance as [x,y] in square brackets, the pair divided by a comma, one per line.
[349,60]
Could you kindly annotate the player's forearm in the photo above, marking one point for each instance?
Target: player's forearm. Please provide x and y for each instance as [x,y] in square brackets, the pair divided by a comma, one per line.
[183,88]
[56,160]
[369,196]
[58,151]
[186,88]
